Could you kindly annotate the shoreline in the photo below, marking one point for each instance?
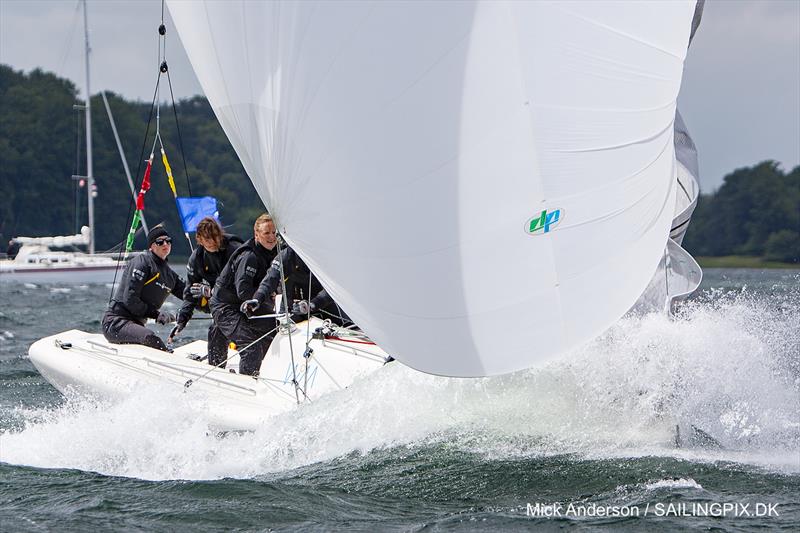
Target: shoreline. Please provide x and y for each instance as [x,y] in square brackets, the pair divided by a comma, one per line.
[741,261]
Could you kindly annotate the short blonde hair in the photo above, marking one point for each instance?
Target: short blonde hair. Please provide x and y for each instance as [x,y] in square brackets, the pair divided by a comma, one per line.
[262,219]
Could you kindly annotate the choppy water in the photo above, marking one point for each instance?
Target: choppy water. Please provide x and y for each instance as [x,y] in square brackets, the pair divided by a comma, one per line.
[404,451]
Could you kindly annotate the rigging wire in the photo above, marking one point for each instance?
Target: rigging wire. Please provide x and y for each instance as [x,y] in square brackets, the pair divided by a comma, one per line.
[164,69]
[222,364]
[308,350]
[132,202]
[180,137]
[157,139]
[67,47]
[288,322]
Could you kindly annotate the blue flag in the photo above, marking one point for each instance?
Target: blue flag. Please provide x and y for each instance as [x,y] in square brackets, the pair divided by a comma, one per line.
[193,210]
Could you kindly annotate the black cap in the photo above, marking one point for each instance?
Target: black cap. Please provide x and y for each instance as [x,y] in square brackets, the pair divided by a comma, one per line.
[155,233]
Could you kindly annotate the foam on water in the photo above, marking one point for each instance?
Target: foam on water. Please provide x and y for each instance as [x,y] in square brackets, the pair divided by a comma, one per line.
[680,483]
[726,372]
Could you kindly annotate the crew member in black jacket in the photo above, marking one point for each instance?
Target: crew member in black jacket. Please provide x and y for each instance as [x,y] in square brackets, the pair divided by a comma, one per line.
[204,267]
[145,284]
[237,283]
[302,287]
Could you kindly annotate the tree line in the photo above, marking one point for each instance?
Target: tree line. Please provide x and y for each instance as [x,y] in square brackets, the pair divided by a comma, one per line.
[755,212]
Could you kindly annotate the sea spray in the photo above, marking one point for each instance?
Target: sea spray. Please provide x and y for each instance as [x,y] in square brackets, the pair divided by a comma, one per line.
[727,366]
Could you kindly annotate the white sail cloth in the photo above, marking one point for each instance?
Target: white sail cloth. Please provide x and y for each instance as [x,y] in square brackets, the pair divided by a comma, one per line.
[409,149]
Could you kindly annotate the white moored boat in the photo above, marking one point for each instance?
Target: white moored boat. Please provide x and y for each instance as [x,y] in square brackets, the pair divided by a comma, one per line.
[38,262]
[85,363]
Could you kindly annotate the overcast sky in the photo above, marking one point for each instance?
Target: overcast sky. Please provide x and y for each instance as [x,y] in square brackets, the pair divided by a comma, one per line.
[740,95]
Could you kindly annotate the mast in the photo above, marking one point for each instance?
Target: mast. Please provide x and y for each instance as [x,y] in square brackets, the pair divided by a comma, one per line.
[90,188]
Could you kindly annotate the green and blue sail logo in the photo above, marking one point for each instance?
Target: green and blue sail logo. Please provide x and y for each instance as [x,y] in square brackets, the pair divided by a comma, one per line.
[543,222]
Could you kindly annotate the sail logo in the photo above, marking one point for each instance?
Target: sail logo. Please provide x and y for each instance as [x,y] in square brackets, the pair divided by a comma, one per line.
[544,222]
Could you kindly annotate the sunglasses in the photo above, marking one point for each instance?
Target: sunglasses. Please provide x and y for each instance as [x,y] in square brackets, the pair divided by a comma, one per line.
[162,242]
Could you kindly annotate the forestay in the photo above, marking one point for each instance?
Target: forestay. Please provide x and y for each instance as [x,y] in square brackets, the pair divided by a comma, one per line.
[480,185]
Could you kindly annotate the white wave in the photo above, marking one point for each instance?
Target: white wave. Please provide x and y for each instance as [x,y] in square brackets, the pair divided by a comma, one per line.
[729,366]
[680,483]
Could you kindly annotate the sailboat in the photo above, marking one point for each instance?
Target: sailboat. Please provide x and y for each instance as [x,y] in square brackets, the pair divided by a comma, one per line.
[304,362]
[481,186]
[43,259]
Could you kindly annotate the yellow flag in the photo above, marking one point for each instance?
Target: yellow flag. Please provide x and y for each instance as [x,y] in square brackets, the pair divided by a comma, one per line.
[169,172]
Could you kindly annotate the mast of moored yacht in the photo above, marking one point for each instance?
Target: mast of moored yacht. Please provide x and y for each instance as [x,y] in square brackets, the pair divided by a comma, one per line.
[89,174]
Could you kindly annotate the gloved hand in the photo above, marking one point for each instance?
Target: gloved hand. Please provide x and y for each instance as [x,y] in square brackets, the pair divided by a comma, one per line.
[165,317]
[303,307]
[248,306]
[174,333]
[200,290]
[180,323]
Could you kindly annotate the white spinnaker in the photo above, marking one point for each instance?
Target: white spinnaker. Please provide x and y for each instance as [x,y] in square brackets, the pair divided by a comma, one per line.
[403,148]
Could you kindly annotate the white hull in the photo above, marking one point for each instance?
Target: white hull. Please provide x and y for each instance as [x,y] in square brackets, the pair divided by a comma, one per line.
[76,361]
[37,261]
[59,273]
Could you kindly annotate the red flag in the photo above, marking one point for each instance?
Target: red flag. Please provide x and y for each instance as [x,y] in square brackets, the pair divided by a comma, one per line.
[145,185]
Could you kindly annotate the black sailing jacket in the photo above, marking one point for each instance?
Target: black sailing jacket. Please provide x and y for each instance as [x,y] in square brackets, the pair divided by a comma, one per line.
[205,266]
[145,284]
[298,281]
[241,276]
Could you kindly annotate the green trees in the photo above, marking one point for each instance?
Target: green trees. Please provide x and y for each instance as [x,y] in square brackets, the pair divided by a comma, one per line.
[783,246]
[39,152]
[756,212]
[37,144]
